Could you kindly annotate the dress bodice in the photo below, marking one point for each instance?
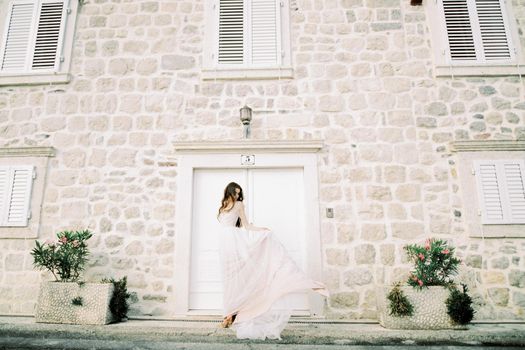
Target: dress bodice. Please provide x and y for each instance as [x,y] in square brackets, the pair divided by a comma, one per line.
[229,218]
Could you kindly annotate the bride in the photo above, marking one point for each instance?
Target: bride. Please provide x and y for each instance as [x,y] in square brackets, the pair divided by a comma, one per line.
[257,272]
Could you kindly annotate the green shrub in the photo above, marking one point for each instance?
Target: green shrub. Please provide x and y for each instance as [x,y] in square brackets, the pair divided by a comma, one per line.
[78,301]
[399,304]
[66,258]
[459,306]
[119,301]
[434,264]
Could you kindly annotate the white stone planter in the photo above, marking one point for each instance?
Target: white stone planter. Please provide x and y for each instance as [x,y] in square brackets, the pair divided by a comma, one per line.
[430,311]
[55,303]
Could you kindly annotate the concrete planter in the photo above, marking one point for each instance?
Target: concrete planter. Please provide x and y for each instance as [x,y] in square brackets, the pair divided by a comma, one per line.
[55,303]
[430,311]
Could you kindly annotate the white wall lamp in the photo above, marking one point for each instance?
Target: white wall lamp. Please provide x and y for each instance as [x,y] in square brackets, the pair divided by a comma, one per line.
[246,118]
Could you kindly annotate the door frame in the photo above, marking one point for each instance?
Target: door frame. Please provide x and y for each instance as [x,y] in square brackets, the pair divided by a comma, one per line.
[224,155]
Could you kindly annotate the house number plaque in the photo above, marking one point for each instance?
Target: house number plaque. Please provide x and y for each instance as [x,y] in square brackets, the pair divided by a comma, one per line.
[248,159]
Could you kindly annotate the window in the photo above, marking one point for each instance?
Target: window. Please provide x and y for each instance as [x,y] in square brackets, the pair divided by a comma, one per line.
[15,194]
[247,39]
[501,190]
[36,41]
[22,181]
[491,175]
[474,37]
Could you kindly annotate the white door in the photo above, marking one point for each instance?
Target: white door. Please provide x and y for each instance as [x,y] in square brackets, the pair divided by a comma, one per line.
[273,198]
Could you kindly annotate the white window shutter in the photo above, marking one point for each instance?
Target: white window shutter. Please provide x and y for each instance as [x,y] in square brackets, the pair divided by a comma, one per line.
[515,183]
[493,29]
[51,18]
[489,192]
[459,30]
[20,183]
[4,177]
[16,46]
[501,191]
[477,30]
[265,29]
[231,32]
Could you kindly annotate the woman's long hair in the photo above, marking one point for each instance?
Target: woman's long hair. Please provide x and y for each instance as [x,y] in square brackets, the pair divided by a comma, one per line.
[229,196]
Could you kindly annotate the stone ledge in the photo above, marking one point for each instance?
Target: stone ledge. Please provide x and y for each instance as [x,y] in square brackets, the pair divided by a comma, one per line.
[248,145]
[27,152]
[484,146]
[35,79]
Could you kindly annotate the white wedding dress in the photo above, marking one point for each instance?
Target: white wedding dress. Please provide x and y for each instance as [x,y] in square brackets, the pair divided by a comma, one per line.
[258,275]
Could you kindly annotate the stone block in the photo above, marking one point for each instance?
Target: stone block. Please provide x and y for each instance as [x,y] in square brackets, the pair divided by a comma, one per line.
[387,254]
[500,296]
[373,232]
[436,109]
[365,254]
[407,230]
[358,277]
[517,278]
[55,303]
[500,263]
[474,260]
[344,300]
[331,103]
[177,62]
[338,257]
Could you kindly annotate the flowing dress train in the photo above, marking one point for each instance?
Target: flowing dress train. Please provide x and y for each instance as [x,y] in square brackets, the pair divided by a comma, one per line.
[258,276]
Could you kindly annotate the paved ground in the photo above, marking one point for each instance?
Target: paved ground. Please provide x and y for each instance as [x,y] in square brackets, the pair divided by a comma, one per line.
[23,333]
[58,344]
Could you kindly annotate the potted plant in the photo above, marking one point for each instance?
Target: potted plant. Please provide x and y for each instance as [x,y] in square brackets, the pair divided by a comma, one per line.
[68,299]
[430,299]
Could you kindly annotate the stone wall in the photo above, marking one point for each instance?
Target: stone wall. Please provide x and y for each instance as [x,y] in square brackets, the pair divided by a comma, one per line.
[362,83]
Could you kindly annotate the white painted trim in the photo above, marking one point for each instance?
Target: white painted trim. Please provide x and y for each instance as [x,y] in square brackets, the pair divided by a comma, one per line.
[189,161]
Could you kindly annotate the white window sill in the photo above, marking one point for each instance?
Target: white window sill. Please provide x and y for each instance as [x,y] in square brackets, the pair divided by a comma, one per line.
[34,79]
[499,231]
[244,73]
[19,232]
[478,70]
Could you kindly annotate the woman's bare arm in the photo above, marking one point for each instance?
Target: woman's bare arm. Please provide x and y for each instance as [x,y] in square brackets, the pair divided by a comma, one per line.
[245,222]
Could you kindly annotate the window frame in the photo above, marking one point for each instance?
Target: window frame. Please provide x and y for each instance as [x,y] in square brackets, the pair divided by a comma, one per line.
[211,69]
[444,66]
[467,154]
[38,157]
[61,74]
[502,185]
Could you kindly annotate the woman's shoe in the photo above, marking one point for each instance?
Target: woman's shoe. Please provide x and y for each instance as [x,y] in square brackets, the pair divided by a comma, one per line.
[226,322]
